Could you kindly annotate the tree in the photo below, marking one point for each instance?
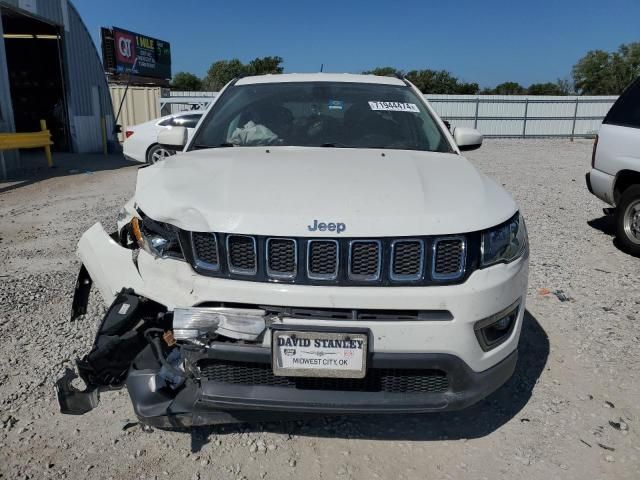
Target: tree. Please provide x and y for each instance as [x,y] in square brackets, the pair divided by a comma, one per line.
[565,85]
[186,81]
[440,82]
[506,88]
[604,73]
[223,71]
[265,65]
[626,65]
[548,88]
[592,73]
[384,72]
[468,88]
[429,81]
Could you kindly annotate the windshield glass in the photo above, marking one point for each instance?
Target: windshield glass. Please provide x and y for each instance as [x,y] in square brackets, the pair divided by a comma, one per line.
[321,114]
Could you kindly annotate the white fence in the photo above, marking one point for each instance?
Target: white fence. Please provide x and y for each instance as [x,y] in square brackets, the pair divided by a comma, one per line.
[181,101]
[524,116]
[500,116]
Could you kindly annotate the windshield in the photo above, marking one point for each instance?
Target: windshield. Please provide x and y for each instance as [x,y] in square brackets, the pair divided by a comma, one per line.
[321,114]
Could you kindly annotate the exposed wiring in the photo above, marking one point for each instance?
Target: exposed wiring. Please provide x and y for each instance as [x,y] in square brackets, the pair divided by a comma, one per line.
[156,345]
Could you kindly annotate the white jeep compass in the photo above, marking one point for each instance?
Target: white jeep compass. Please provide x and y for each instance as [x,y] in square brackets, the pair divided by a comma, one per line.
[320,246]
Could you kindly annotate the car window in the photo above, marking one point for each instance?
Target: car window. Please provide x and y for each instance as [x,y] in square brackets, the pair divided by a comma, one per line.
[316,114]
[187,121]
[167,122]
[626,111]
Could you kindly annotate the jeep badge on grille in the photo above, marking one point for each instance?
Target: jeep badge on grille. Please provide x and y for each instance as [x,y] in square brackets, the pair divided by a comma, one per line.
[327,227]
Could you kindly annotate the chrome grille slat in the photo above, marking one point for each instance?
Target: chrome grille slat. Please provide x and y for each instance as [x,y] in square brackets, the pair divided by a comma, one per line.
[407,260]
[205,250]
[242,257]
[365,260]
[448,258]
[323,259]
[282,257]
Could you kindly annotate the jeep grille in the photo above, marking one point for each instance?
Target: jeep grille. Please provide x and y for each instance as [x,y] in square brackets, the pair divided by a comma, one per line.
[314,261]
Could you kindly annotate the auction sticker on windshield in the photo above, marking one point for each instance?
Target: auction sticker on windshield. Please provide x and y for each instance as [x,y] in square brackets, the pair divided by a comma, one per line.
[394,107]
[319,354]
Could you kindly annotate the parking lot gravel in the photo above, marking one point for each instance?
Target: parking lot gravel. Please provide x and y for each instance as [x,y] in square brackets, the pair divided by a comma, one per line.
[571,411]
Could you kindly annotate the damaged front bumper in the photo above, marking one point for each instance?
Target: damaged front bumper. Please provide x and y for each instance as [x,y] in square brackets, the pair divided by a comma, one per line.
[177,381]
[124,332]
[182,384]
[205,401]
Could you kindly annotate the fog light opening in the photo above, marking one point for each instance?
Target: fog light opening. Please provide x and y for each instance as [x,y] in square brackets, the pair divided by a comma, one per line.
[496,329]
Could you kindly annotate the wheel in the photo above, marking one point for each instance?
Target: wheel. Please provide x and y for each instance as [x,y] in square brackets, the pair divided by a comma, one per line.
[628,220]
[157,153]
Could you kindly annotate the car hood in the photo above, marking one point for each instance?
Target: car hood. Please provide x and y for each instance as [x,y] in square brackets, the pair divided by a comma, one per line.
[284,190]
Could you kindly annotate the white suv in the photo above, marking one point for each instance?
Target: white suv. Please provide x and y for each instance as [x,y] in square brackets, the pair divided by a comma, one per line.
[615,166]
[321,245]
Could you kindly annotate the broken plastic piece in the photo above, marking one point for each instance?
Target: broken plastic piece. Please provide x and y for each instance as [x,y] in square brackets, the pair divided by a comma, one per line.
[73,401]
[81,294]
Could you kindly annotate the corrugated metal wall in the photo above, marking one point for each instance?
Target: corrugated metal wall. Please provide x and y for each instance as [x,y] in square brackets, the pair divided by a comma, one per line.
[9,159]
[88,93]
[140,104]
[6,112]
[86,87]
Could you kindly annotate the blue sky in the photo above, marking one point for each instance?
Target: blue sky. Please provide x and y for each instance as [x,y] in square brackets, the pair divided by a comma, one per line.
[486,41]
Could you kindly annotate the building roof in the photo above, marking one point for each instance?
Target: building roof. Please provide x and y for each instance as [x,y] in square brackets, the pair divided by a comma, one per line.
[319,77]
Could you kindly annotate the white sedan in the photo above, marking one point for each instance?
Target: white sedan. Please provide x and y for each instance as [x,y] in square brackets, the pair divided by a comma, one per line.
[141,141]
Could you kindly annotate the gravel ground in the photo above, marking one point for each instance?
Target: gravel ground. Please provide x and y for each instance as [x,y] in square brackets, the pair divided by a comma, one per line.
[572,409]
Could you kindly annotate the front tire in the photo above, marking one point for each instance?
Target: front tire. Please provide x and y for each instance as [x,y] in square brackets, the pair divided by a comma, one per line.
[628,220]
[158,153]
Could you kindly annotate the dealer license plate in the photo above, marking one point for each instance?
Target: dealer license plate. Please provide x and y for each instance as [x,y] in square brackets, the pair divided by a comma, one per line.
[319,354]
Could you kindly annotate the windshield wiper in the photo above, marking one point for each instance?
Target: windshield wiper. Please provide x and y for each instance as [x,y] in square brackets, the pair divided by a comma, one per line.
[335,145]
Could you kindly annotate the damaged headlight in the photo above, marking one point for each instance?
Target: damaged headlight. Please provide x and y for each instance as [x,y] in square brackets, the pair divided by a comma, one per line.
[236,323]
[157,238]
[505,243]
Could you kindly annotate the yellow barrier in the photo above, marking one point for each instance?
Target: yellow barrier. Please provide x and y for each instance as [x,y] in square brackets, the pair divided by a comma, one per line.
[41,139]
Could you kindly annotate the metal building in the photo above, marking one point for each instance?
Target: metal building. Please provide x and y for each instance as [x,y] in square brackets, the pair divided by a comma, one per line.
[50,69]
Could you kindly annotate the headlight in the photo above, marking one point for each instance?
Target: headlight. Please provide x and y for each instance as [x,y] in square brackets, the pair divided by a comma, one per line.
[505,242]
[157,238]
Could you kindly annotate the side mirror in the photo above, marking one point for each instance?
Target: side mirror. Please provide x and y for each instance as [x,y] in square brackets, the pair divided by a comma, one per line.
[174,138]
[467,138]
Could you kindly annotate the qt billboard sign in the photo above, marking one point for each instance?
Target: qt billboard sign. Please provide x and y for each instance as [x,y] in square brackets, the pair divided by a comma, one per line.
[141,55]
